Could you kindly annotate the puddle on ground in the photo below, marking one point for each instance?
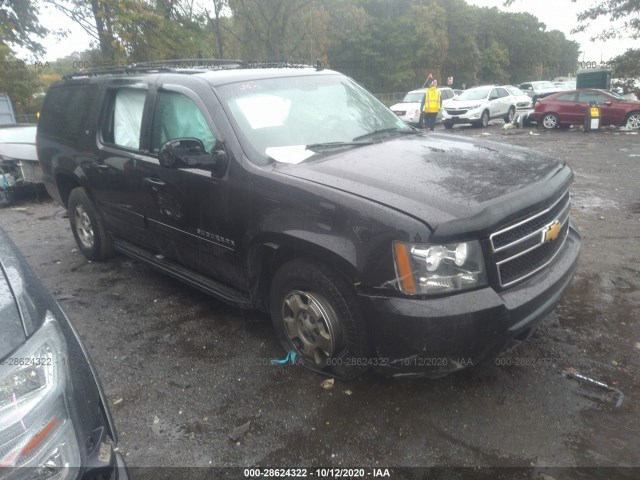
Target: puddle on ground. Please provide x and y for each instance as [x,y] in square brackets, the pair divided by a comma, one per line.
[589,201]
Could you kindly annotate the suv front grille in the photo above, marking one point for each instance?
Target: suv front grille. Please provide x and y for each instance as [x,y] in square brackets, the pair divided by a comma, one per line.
[524,248]
[452,111]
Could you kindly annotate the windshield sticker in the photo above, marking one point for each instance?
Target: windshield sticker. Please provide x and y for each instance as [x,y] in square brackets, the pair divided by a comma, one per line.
[262,111]
[289,154]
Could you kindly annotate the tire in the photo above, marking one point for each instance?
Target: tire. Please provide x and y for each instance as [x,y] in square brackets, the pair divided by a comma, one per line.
[633,120]
[447,125]
[315,313]
[6,197]
[484,120]
[549,121]
[510,115]
[87,226]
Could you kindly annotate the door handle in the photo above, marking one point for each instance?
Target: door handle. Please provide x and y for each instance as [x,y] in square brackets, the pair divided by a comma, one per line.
[102,166]
[155,181]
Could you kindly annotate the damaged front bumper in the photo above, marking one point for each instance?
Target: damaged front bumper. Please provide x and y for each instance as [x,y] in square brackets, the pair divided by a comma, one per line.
[437,336]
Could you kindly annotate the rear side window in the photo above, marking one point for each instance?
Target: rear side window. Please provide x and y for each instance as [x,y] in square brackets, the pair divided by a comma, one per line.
[66,111]
[123,118]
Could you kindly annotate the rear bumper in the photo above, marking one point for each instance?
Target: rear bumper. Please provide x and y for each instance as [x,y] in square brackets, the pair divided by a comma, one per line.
[438,336]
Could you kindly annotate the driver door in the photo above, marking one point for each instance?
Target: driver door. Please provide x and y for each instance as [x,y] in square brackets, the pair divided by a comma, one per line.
[194,213]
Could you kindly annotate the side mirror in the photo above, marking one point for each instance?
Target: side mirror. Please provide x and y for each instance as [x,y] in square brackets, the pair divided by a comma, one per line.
[608,104]
[190,153]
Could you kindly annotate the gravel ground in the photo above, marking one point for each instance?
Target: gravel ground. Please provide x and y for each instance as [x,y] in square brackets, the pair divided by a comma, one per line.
[182,370]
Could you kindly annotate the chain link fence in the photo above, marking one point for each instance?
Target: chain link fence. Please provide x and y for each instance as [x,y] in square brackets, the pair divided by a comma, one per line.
[26,118]
[390,98]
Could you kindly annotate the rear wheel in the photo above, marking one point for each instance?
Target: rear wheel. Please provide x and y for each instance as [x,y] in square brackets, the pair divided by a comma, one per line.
[550,121]
[633,120]
[316,315]
[87,226]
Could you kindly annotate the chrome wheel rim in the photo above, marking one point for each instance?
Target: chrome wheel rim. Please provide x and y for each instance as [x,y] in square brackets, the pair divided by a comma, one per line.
[511,115]
[633,121]
[310,324]
[485,119]
[549,121]
[84,228]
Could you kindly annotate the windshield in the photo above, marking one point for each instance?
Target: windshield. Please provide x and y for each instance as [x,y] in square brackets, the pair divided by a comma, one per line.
[285,115]
[474,94]
[514,91]
[615,95]
[18,135]
[542,85]
[413,97]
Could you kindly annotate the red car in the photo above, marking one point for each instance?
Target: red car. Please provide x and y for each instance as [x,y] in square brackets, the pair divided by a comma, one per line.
[567,108]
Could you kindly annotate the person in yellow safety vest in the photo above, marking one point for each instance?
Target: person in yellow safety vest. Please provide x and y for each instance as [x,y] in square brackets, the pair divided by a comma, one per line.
[432,104]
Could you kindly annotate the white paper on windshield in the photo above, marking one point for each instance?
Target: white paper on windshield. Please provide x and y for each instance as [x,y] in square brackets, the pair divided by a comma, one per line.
[263,111]
[289,154]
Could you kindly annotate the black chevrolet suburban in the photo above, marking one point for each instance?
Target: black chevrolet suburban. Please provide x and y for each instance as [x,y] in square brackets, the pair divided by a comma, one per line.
[296,192]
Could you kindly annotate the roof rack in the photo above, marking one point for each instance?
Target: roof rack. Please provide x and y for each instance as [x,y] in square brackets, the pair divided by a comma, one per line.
[187,65]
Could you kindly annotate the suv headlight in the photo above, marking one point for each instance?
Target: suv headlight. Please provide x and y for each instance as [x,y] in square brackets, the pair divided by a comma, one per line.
[426,268]
[473,107]
[35,427]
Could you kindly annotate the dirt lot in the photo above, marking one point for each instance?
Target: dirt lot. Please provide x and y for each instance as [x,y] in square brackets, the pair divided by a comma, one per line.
[182,370]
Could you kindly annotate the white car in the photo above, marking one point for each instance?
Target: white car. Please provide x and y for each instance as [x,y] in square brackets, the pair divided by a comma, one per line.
[478,105]
[523,101]
[409,109]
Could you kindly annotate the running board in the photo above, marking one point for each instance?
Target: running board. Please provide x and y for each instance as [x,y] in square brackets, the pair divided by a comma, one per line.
[186,275]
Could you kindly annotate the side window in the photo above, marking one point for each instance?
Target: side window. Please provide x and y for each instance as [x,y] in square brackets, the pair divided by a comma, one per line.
[66,111]
[586,97]
[123,120]
[525,86]
[494,94]
[567,97]
[502,92]
[177,116]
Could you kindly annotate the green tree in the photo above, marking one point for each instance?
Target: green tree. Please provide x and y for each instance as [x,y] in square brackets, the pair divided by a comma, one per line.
[17,79]
[19,25]
[613,10]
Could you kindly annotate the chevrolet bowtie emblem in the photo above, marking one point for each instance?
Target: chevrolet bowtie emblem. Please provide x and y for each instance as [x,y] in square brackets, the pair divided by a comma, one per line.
[551,231]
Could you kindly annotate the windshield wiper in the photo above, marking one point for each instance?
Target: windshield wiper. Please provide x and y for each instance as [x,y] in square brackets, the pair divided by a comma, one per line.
[326,145]
[386,130]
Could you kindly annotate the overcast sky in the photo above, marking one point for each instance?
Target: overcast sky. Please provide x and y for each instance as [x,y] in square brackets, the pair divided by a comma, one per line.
[556,14]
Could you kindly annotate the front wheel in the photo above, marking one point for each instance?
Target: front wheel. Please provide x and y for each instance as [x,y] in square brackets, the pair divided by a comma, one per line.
[484,120]
[87,226]
[447,125]
[316,315]
[633,121]
[510,115]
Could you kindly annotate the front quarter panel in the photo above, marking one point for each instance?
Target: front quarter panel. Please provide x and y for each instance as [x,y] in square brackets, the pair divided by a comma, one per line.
[353,234]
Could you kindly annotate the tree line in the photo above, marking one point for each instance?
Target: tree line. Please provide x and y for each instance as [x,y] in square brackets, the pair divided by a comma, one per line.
[387,45]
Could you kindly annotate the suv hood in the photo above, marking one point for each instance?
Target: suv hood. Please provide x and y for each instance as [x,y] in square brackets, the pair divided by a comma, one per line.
[455,103]
[405,106]
[440,179]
